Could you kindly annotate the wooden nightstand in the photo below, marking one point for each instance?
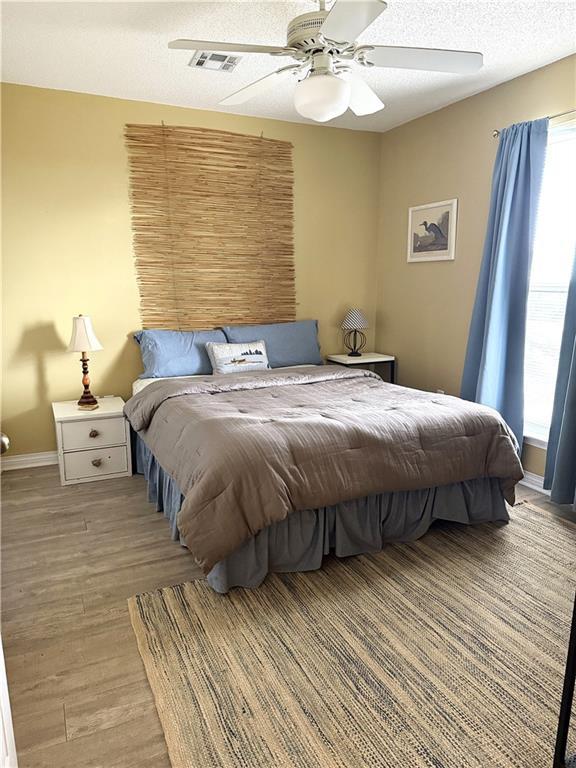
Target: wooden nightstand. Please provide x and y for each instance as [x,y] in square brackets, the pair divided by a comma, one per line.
[92,445]
[370,360]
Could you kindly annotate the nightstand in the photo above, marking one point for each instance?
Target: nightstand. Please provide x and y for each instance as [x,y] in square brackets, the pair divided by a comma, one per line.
[371,360]
[92,445]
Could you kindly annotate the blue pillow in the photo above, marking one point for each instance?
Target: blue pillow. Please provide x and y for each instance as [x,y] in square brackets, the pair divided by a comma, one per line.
[176,353]
[286,343]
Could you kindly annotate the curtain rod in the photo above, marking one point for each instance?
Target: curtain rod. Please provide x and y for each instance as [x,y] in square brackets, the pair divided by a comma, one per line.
[496,132]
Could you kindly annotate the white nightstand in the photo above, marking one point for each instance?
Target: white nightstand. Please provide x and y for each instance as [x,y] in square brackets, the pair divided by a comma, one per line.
[92,445]
[367,360]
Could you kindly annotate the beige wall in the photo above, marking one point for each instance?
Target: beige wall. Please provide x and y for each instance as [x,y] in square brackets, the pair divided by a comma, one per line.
[67,239]
[424,310]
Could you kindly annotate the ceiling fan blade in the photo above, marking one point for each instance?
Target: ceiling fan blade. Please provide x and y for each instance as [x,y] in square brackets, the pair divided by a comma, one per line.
[432,59]
[363,100]
[347,19]
[211,45]
[258,86]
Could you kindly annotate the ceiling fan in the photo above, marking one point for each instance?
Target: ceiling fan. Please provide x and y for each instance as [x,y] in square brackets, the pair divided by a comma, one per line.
[323,45]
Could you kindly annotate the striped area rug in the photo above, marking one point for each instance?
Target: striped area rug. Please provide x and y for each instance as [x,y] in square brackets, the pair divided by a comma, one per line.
[447,653]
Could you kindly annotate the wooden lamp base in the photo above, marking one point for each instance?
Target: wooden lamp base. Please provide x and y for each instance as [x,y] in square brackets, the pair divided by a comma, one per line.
[87,402]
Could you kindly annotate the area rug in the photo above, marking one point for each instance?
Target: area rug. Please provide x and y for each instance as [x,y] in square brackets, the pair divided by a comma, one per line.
[447,652]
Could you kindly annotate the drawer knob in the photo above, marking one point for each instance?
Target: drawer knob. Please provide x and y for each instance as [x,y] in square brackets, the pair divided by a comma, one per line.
[93,433]
[96,462]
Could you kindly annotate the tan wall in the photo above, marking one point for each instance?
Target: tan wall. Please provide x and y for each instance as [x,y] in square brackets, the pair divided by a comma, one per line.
[67,239]
[424,310]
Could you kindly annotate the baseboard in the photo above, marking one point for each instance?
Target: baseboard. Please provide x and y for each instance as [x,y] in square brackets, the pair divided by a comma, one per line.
[28,460]
[534,482]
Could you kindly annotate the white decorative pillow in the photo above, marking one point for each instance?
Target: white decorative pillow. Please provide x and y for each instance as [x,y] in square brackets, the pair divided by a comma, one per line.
[235,358]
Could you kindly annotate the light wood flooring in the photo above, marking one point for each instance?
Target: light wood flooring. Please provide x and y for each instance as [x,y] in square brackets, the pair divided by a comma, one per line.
[70,558]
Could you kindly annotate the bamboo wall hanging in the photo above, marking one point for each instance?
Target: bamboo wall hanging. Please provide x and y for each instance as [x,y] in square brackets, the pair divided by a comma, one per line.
[212,219]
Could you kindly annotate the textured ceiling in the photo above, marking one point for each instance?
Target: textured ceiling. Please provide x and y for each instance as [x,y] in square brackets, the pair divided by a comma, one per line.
[120,49]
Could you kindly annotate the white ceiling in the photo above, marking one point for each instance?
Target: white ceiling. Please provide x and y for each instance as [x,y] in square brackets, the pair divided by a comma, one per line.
[120,49]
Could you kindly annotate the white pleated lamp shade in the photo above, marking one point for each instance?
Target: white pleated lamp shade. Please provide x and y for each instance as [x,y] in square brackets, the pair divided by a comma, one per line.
[354,320]
[83,338]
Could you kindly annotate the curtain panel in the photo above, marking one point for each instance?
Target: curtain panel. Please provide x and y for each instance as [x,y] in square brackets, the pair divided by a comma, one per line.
[494,364]
[560,476]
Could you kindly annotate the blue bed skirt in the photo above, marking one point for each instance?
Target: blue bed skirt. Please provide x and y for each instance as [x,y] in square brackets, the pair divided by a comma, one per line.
[299,542]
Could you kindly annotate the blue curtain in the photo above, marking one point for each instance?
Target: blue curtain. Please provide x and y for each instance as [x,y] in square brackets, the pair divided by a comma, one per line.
[494,365]
[560,473]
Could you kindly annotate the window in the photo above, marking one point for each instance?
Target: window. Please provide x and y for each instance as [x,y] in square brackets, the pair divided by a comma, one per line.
[554,248]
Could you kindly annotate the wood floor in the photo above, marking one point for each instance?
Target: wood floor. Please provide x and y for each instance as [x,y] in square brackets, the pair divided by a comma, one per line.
[70,558]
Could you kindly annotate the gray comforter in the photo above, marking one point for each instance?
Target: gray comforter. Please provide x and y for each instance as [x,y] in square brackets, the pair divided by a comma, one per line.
[248,449]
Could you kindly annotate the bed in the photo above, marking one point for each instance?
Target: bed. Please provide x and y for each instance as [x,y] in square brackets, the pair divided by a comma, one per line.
[271,470]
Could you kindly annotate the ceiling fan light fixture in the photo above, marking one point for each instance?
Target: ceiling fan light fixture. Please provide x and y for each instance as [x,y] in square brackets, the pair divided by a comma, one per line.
[325,43]
[322,97]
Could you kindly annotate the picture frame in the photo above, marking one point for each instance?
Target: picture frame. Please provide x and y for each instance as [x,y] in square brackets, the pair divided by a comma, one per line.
[432,231]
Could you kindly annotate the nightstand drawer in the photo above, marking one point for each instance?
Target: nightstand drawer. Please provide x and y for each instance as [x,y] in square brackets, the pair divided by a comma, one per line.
[90,433]
[97,463]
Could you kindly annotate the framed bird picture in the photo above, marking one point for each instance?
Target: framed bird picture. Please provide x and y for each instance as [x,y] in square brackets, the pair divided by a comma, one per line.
[432,231]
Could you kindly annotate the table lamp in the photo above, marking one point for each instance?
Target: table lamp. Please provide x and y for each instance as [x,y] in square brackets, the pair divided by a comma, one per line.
[353,324]
[84,340]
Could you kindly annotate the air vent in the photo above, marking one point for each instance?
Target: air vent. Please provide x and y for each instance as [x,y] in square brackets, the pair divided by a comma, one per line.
[215,61]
